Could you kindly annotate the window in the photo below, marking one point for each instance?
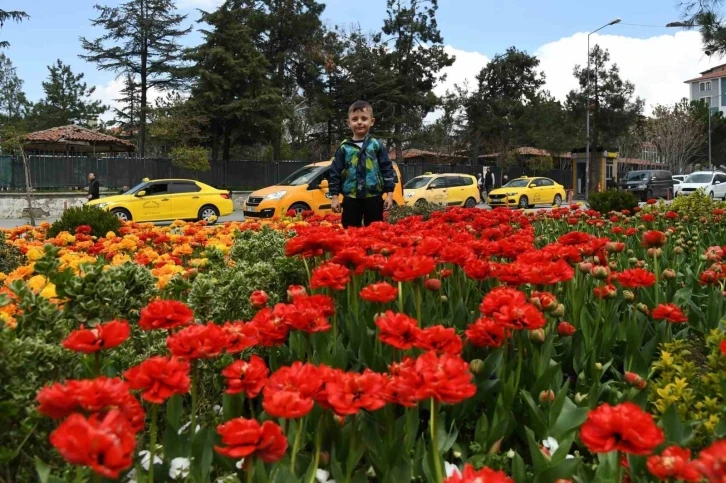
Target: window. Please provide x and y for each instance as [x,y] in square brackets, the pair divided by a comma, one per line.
[721,178]
[708,86]
[453,181]
[438,183]
[546,182]
[157,189]
[465,181]
[609,171]
[707,100]
[703,86]
[184,188]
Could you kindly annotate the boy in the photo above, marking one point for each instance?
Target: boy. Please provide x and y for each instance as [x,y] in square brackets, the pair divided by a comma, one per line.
[361,172]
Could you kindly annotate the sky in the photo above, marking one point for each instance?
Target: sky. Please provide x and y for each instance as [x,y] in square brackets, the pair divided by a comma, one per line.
[656,59]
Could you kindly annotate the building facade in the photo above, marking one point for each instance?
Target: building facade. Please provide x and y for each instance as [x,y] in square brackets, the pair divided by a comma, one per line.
[710,87]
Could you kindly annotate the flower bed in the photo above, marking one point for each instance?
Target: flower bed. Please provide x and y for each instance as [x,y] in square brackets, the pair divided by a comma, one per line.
[472,346]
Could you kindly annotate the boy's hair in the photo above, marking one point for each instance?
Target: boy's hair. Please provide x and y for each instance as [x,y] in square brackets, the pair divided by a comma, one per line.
[359,106]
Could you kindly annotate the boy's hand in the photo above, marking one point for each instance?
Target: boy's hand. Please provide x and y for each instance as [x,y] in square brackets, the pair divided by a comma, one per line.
[335,204]
[388,202]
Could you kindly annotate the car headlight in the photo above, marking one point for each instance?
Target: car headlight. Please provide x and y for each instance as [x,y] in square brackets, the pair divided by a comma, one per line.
[276,195]
[642,186]
[511,194]
[102,205]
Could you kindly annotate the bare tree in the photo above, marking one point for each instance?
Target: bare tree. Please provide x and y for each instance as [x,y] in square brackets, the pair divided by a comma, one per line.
[13,140]
[677,134]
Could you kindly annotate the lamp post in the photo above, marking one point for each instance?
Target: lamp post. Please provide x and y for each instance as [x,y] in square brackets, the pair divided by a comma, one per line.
[587,89]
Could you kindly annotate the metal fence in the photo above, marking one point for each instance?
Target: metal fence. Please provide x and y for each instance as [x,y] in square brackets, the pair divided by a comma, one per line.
[69,172]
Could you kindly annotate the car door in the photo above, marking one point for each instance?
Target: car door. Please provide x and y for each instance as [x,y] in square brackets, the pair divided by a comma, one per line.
[547,190]
[186,200]
[156,203]
[536,190]
[437,191]
[469,188]
[320,197]
[719,190]
[454,190]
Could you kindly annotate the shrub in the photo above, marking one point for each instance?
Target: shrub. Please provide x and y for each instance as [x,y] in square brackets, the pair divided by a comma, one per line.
[697,204]
[194,158]
[612,200]
[10,257]
[100,221]
[425,210]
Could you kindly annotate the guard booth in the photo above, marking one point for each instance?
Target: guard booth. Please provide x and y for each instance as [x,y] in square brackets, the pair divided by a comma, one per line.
[603,170]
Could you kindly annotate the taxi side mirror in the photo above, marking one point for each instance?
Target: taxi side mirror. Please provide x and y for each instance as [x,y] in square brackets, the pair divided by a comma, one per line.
[141,194]
[324,185]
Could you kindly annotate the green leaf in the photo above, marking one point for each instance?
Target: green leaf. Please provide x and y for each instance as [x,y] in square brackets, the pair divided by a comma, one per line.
[564,470]
[570,418]
[676,432]
[43,470]
[202,454]
[518,471]
[539,460]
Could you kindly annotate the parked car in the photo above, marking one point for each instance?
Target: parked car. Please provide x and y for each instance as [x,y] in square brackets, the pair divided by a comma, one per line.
[452,189]
[167,200]
[679,177]
[712,182]
[304,190]
[527,192]
[647,184]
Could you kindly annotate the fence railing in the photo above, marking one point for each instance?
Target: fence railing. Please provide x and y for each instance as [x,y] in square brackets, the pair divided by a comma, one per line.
[68,173]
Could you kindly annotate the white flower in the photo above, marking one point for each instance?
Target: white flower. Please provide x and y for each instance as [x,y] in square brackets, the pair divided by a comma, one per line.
[511,454]
[131,476]
[551,444]
[217,409]
[451,469]
[146,457]
[186,426]
[240,463]
[322,476]
[178,468]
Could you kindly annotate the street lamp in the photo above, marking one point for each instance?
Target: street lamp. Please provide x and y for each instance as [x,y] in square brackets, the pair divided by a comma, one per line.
[587,148]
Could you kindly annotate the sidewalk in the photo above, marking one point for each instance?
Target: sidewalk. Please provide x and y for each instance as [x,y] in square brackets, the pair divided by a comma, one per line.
[8,223]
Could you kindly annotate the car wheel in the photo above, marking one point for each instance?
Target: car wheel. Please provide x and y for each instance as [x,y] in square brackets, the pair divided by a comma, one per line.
[208,213]
[648,195]
[710,194]
[298,208]
[421,203]
[523,202]
[558,200]
[121,214]
[470,203]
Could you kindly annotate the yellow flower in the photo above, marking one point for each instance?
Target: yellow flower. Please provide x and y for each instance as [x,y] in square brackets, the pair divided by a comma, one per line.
[37,283]
[198,262]
[34,254]
[110,235]
[9,321]
[2,277]
[120,259]
[184,249]
[49,291]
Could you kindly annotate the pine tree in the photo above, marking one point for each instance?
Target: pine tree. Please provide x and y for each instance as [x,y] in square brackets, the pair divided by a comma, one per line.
[67,100]
[126,118]
[142,38]
[231,84]
[415,60]
[290,34]
[13,103]
[14,15]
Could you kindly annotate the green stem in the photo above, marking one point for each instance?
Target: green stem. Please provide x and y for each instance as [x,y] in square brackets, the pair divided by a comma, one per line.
[351,450]
[435,441]
[307,269]
[318,442]
[400,297]
[657,275]
[194,398]
[250,471]
[152,441]
[97,363]
[96,478]
[296,444]
[417,292]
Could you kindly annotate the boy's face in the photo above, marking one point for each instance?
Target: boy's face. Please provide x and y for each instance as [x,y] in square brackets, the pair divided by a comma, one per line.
[360,122]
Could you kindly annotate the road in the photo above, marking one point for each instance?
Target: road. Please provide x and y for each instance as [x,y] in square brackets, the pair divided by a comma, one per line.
[236,216]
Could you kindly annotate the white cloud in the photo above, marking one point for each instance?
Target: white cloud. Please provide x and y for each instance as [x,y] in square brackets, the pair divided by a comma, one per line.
[657,66]
[465,68]
[111,90]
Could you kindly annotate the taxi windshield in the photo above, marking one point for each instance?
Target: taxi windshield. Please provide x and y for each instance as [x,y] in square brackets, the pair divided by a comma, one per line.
[517,183]
[417,183]
[136,188]
[302,176]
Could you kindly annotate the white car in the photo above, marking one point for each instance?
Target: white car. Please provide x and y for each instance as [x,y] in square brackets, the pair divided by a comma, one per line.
[712,182]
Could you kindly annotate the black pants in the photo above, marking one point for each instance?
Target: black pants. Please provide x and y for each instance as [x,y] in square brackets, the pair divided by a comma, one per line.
[357,211]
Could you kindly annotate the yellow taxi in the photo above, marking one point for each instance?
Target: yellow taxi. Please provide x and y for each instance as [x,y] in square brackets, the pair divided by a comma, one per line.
[526,192]
[167,200]
[452,189]
[304,190]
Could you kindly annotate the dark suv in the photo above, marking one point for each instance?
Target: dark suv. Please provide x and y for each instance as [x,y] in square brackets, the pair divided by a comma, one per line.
[647,184]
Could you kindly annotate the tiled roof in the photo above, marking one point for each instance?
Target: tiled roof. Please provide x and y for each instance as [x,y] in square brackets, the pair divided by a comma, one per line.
[527,151]
[76,134]
[639,162]
[710,75]
[420,153]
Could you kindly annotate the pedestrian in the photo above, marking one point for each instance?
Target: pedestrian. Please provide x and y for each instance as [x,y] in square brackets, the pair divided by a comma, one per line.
[505,180]
[361,172]
[93,187]
[488,181]
[480,185]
